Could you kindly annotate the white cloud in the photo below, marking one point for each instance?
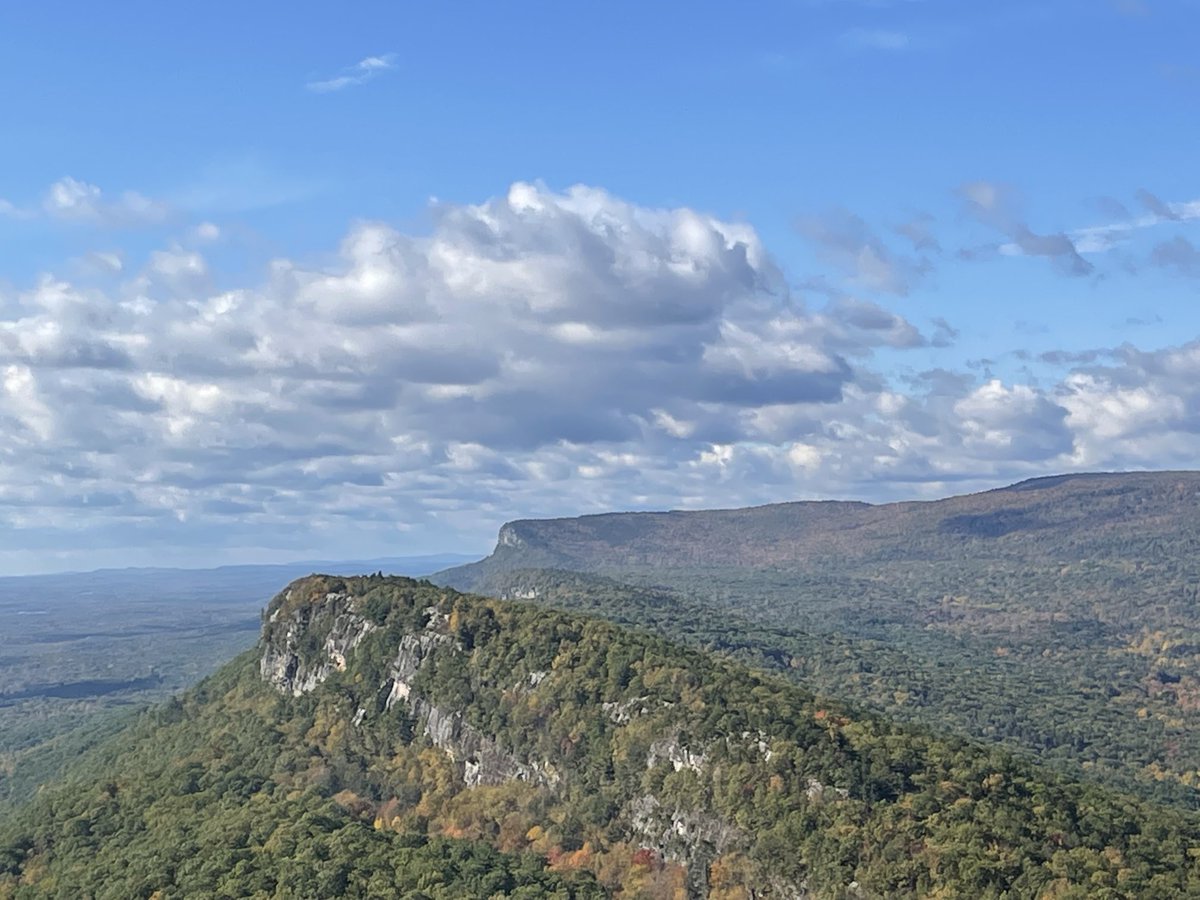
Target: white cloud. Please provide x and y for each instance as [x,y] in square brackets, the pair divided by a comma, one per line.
[10,210]
[206,232]
[72,200]
[1142,411]
[1099,238]
[538,353]
[366,69]
[1016,421]
[178,266]
[994,201]
[103,262]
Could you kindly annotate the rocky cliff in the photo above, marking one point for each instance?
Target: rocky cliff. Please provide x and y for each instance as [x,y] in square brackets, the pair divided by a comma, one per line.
[314,629]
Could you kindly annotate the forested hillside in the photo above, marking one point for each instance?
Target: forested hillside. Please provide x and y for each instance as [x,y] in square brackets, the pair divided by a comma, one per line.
[1056,617]
[390,738]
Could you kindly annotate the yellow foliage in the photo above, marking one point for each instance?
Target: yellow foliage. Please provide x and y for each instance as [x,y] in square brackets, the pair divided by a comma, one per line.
[511,838]
[730,877]
[35,871]
[577,860]
[346,799]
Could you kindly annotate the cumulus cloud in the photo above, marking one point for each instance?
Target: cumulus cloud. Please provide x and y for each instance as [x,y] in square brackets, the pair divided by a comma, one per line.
[860,325]
[1013,422]
[538,353]
[206,232]
[74,200]
[366,69]
[1142,410]
[517,340]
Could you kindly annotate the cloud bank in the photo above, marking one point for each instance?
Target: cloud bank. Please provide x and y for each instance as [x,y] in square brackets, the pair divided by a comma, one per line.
[539,353]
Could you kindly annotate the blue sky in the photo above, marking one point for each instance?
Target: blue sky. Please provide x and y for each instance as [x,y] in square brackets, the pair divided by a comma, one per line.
[284,280]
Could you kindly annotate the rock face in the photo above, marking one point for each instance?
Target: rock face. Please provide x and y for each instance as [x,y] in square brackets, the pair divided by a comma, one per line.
[308,636]
[685,835]
[510,537]
[290,661]
[482,759]
[305,644]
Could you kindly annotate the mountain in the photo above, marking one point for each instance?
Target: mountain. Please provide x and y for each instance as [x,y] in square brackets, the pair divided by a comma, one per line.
[1056,616]
[81,650]
[391,738]
[1143,514]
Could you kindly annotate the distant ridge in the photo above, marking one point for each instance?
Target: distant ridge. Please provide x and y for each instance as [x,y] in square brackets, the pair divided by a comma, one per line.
[400,565]
[1067,512]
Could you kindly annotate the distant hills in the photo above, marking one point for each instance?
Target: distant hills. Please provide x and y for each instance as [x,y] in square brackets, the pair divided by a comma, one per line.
[387,738]
[1056,616]
[221,582]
